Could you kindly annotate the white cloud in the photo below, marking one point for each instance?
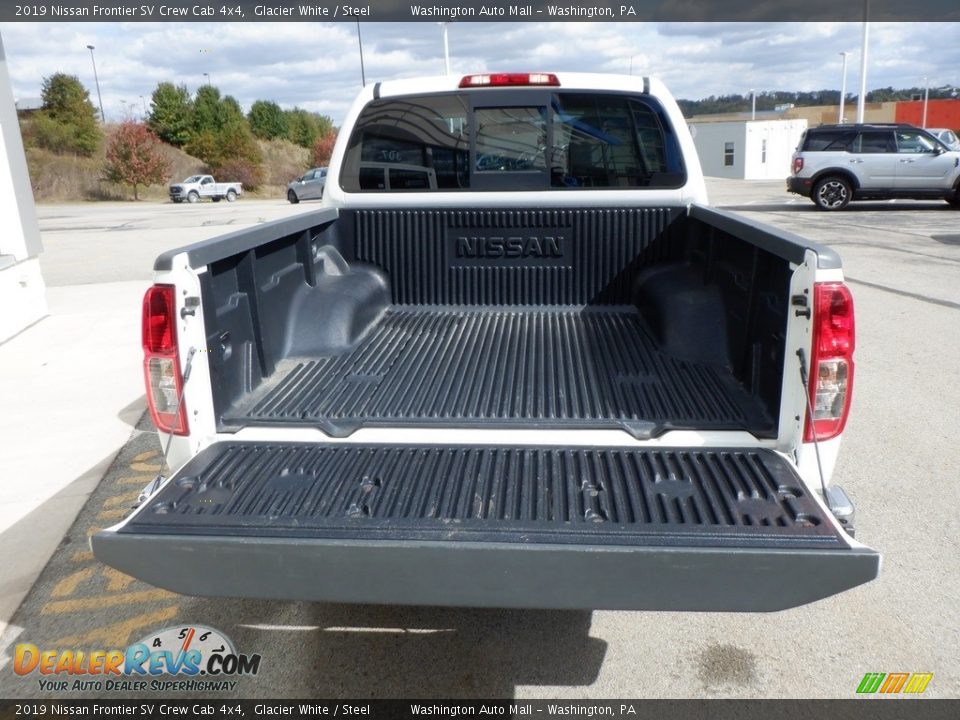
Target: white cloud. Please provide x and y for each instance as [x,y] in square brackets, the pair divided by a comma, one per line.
[317,65]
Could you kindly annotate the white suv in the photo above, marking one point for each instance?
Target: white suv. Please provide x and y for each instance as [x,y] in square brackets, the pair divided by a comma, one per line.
[835,164]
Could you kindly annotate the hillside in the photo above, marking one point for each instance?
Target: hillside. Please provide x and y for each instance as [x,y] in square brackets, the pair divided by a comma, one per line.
[70,178]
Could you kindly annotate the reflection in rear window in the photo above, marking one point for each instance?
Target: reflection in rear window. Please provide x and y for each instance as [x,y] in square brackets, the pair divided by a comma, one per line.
[563,140]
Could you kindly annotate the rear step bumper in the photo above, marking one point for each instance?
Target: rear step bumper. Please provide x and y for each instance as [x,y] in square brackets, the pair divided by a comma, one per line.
[595,528]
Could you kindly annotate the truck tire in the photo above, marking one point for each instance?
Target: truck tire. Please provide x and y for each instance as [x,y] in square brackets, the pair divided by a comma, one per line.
[193,196]
[832,193]
[231,195]
[292,197]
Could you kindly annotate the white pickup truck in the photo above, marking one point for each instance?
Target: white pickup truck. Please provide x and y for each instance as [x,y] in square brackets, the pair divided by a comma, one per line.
[514,360]
[196,187]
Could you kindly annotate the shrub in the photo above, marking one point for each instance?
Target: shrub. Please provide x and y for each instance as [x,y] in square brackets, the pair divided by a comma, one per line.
[249,174]
[323,149]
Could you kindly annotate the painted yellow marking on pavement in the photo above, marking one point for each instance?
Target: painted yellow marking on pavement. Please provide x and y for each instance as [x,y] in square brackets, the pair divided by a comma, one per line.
[60,607]
[82,556]
[91,531]
[144,467]
[126,499]
[116,580]
[69,585]
[117,634]
[145,455]
[140,480]
[115,513]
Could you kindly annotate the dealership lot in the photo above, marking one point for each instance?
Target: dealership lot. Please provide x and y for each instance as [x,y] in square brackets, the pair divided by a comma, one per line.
[899,463]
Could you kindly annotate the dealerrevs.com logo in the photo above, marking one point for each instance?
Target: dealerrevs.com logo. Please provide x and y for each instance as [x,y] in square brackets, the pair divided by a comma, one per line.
[184,658]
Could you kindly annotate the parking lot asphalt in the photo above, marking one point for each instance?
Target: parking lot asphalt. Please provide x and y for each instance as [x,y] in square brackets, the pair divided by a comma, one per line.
[899,462]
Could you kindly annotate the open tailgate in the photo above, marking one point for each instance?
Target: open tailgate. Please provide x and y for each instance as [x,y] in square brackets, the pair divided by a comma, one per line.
[543,527]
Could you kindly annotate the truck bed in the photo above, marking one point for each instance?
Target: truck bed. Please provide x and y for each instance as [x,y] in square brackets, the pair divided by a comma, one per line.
[586,367]
[642,319]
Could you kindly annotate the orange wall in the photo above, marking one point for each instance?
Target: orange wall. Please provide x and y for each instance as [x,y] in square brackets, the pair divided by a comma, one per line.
[940,113]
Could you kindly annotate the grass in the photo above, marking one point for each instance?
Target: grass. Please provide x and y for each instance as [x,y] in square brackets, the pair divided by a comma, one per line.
[282,162]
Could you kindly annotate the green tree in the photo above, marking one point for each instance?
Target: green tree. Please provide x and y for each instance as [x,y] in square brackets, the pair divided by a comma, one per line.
[135,157]
[68,120]
[171,112]
[207,111]
[267,120]
[304,127]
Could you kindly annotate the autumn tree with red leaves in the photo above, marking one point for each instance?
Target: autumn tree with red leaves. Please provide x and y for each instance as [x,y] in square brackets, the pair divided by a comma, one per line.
[135,157]
[323,149]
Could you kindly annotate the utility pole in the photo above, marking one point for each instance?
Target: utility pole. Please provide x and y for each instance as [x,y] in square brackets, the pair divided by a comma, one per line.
[363,75]
[843,87]
[862,100]
[926,99]
[446,45]
[103,118]
[753,104]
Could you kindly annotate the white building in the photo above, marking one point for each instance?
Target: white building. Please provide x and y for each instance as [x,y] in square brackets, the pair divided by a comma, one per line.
[746,149]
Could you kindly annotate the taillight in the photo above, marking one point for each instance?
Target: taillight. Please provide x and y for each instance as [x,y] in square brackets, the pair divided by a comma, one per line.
[161,363]
[831,366]
[797,165]
[509,80]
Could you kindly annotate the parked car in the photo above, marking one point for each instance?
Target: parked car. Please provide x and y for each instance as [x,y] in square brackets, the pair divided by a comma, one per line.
[565,386]
[835,164]
[947,136]
[196,187]
[308,186]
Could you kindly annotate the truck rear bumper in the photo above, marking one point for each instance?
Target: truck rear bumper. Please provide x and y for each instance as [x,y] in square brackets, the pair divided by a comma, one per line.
[483,526]
[487,574]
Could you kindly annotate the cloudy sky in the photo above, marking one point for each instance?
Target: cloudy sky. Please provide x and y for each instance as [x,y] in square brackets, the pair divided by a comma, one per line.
[317,65]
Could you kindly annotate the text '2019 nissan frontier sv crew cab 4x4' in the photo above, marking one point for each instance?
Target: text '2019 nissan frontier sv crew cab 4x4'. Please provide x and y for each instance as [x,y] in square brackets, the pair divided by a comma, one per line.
[513,360]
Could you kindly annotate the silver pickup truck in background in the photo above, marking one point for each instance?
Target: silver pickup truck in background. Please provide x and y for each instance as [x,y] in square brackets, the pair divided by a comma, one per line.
[196,187]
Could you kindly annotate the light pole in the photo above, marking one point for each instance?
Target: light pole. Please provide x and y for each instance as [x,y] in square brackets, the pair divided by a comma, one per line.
[926,99]
[207,76]
[144,107]
[843,86]
[862,100]
[103,118]
[363,75]
[446,45]
[753,104]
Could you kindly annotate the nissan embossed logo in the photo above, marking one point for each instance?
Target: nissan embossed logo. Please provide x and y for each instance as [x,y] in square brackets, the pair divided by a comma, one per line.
[511,247]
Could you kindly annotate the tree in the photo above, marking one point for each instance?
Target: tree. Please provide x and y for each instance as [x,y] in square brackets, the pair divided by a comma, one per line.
[303,127]
[134,157]
[323,148]
[68,120]
[267,120]
[170,113]
[207,112]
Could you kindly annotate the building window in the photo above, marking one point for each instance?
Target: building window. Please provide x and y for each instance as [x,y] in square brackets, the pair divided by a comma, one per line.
[763,151]
[728,154]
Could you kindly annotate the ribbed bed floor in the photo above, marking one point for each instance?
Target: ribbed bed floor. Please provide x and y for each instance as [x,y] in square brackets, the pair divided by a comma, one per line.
[594,367]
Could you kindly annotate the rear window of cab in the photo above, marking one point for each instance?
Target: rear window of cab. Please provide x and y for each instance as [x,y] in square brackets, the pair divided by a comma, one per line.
[515,140]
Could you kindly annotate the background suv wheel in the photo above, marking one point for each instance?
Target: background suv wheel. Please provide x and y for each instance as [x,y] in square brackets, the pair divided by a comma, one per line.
[832,193]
